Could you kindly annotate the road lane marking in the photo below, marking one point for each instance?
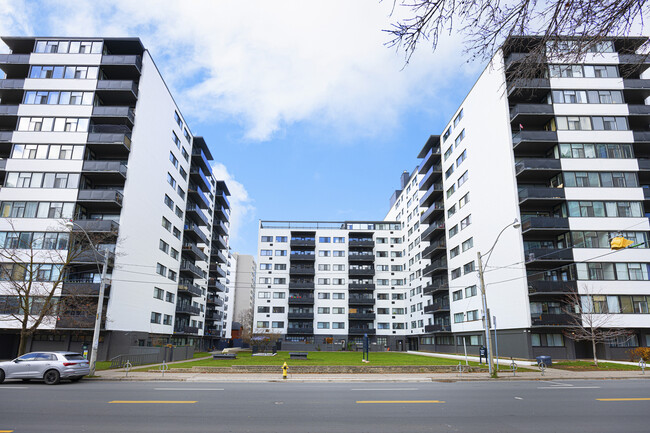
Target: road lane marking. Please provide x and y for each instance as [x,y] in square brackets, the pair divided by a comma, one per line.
[13,387]
[152,402]
[6,431]
[624,399]
[384,389]
[568,387]
[397,401]
[518,398]
[188,389]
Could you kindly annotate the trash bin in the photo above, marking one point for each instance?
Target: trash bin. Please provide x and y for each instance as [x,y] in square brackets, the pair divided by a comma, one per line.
[545,359]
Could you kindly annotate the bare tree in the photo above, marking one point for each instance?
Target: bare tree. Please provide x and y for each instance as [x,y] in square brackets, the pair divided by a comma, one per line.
[33,269]
[590,319]
[486,24]
[246,321]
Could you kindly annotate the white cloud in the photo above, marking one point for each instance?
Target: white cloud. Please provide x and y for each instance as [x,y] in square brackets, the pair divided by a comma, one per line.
[268,65]
[242,209]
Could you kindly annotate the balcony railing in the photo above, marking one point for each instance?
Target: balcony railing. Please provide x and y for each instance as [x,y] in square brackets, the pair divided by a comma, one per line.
[551,320]
[190,289]
[122,60]
[103,196]
[181,329]
[187,309]
[96,226]
[437,328]
[302,300]
[545,224]
[302,270]
[544,194]
[300,331]
[114,111]
[549,165]
[356,300]
[301,284]
[542,287]
[361,316]
[361,331]
[110,168]
[192,269]
[303,316]
[548,255]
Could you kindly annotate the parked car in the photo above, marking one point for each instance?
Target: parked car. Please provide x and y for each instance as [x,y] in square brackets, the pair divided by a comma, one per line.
[51,367]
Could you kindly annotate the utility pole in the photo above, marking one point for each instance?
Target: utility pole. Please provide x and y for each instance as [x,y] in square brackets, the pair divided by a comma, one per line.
[486,316]
[98,317]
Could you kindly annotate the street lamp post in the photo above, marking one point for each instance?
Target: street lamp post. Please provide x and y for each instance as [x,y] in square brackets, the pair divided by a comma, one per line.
[486,312]
[100,300]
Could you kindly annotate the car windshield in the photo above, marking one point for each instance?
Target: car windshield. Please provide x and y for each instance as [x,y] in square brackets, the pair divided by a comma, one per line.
[74,357]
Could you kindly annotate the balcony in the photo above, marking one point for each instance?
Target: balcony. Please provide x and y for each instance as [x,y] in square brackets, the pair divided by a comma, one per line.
[187,309]
[523,84]
[368,243]
[301,284]
[434,193]
[548,255]
[105,171]
[361,331]
[9,110]
[6,136]
[302,242]
[361,316]
[220,272]
[537,169]
[639,83]
[216,285]
[195,233]
[214,315]
[124,65]
[14,59]
[436,286]
[300,331]
[433,232]
[534,142]
[186,330]
[220,227]
[221,213]
[195,252]
[198,196]
[110,144]
[219,241]
[96,226]
[302,270]
[212,299]
[303,300]
[360,257]
[545,197]
[78,322]
[100,199]
[436,267]
[194,212]
[221,198]
[302,255]
[432,157]
[190,289]
[551,320]
[361,272]
[437,328]
[435,210]
[197,175]
[435,249]
[12,84]
[433,174]
[193,270]
[545,225]
[526,113]
[219,257]
[437,307]
[118,92]
[199,158]
[83,288]
[300,316]
[116,114]
[361,286]
[542,287]
[356,300]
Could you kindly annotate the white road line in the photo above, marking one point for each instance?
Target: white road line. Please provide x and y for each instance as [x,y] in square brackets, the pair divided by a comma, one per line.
[518,398]
[188,389]
[13,387]
[568,387]
[384,389]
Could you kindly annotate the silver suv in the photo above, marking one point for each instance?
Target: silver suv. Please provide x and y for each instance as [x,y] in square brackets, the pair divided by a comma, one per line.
[51,367]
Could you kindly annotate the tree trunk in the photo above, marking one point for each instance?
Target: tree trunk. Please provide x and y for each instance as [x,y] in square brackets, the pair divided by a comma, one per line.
[593,346]
[22,346]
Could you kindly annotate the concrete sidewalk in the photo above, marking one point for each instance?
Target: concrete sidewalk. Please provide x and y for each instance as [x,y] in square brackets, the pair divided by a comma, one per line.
[549,374]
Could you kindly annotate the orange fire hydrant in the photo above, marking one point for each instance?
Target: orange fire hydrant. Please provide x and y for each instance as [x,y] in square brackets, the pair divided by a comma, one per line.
[285,367]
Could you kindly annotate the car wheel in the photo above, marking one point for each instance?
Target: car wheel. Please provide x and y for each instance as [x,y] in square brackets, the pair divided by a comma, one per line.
[76,378]
[52,377]
[2,376]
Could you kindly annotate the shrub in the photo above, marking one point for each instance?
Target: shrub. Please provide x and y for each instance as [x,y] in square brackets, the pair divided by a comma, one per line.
[638,353]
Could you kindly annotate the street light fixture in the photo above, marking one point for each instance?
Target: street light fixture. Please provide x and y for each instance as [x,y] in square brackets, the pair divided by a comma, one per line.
[486,313]
[100,300]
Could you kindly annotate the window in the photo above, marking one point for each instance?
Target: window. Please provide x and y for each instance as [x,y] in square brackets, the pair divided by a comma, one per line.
[278,295]
[161,270]
[279,280]
[469,243]
[323,267]
[280,266]
[166,224]
[267,239]
[281,239]
[186,134]
[338,267]
[455,273]
[472,315]
[266,252]
[454,252]
[186,156]
[324,253]
[173,159]
[463,200]
[338,295]
[465,222]
[324,240]
[176,140]
[164,246]
[263,309]
[547,340]
[323,295]
[470,291]
[169,202]
[280,252]
[278,309]
[264,295]
[323,310]
[167,319]
[446,134]
[460,138]
[155,317]
[264,280]
[338,325]
[338,310]
[323,325]
[262,324]
[176,232]
[158,293]
[183,173]
[453,231]
[463,179]
[459,317]
[598,150]
[461,158]
[178,120]
[449,171]
[448,152]
[277,324]
[338,253]
[468,267]
[457,295]
[338,240]
[338,281]
[457,119]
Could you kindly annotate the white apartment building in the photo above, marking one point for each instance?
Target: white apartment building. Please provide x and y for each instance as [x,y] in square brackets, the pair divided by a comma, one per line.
[246,272]
[89,132]
[564,153]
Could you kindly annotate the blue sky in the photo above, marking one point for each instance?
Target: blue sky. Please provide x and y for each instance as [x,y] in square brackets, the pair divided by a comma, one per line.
[308,114]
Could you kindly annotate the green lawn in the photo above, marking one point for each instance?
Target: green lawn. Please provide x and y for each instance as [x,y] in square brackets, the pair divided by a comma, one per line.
[201,354]
[102,365]
[589,366]
[322,358]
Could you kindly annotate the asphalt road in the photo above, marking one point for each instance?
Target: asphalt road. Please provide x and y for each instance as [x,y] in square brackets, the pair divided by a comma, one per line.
[477,407]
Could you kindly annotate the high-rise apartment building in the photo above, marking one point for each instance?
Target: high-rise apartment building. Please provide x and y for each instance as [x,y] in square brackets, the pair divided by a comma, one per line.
[246,272]
[564,151]
[89,132]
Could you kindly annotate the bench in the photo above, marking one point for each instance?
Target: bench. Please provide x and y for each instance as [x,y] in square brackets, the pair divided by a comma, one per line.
[224,356]
[298,355]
